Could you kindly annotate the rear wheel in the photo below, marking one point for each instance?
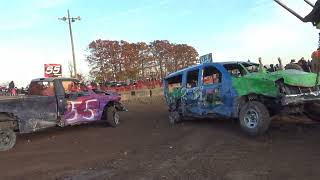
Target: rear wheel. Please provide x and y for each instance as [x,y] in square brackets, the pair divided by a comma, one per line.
[312,111]
[7,139]
[113,116]
[175,115]
[254,118]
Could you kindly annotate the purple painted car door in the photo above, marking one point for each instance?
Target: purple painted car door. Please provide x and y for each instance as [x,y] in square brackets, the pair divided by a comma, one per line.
[82,104]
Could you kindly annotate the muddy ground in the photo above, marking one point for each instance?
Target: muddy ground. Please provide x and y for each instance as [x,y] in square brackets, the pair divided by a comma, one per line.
[145,147]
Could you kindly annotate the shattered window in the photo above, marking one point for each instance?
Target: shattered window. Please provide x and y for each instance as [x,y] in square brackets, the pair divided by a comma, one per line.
[73,87]
[41,88]
[70,86]
[211,75]
[192,78]
[175,82]
[235,70]
[251,67]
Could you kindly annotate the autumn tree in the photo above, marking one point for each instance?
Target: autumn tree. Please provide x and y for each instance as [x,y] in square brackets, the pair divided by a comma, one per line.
[121,60]
[104,59]
[162,51]
[130,52]
[145,58]
[183,56]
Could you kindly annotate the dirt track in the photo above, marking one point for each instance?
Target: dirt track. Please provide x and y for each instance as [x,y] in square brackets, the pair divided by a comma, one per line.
[145,146]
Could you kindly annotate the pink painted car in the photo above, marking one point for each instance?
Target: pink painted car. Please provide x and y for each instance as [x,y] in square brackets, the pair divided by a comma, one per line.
[56,102]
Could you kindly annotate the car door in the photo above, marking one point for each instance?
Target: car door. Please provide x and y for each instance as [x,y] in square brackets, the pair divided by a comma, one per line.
[212,96]
[192,93]
[82,104]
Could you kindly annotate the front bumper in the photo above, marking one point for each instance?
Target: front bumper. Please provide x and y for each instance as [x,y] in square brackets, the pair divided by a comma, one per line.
[301,98]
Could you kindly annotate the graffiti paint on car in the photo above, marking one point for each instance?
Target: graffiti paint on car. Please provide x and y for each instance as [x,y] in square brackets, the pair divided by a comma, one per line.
[222,98]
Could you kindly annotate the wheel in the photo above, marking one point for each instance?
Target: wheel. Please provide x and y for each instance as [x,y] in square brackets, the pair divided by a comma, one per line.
[312,111]
[7,139]
[254,118]
[113,116]
[174,117]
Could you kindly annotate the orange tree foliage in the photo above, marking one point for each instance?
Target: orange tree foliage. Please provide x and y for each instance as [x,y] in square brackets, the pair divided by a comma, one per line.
[121,60]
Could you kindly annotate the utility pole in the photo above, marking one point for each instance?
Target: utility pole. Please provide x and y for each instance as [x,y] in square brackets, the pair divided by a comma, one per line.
[71,20]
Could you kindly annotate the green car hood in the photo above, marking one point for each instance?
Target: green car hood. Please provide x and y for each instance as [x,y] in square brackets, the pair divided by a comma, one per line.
[294,77]
[265,83]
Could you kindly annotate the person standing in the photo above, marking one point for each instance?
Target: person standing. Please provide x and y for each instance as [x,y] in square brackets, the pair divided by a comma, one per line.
[14,91]
[11,87]
[315,62]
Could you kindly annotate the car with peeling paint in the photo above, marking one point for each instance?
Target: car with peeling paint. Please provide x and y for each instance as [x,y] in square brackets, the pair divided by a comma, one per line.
[239,90]
[54,102]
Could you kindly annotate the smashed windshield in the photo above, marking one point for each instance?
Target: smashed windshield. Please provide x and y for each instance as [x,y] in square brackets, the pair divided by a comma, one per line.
[251,67]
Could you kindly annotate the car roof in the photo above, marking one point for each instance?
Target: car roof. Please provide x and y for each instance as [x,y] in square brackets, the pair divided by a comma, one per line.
[54,78]
[179,72]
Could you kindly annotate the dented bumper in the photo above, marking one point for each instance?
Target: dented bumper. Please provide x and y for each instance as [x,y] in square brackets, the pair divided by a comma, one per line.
[301,98]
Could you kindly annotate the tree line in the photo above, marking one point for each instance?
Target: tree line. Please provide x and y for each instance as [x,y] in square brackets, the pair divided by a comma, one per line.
[121,60]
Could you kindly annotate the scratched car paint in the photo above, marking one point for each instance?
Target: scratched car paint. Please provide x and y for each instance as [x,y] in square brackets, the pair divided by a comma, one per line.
[240,90]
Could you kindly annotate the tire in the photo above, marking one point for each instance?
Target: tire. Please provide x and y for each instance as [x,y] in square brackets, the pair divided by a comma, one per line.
[174,117]
[254,118]
[7,139]
[312,111]
[113,116]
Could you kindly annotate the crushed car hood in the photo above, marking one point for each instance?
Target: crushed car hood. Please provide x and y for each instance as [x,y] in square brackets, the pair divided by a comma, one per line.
[265,83]
[294,77]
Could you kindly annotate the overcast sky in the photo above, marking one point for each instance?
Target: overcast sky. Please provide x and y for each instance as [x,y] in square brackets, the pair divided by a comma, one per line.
[31,34]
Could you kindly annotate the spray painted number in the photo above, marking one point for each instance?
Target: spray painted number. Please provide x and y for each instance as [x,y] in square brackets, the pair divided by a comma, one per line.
[53,69]
[87,109]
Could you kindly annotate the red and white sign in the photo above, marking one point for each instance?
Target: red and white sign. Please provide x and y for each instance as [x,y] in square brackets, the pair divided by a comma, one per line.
[52,70]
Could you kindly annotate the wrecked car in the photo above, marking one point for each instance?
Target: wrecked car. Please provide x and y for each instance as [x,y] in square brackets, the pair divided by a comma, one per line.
[55,102]
[239,90]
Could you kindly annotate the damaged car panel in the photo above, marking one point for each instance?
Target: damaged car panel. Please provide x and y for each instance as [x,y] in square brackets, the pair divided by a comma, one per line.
[56,102]
[204,91]
[240,90]
[32,113]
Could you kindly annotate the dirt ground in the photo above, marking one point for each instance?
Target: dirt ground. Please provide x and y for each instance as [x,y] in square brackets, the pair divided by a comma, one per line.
[146,147]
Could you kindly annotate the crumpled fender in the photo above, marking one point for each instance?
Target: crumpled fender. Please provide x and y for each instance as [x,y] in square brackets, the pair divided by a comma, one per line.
[120,107]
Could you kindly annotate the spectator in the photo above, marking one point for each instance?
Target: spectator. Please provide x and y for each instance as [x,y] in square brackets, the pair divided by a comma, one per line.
[315,63]
[271,68]
[11,87]
[14,91]
[304,65]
